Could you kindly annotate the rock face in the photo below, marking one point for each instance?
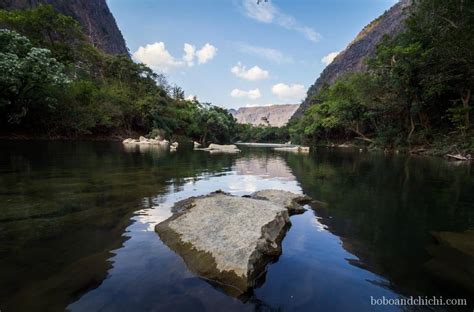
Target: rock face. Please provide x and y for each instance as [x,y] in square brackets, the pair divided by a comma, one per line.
[226,239]
[274,115]
[352,59]
[94,15]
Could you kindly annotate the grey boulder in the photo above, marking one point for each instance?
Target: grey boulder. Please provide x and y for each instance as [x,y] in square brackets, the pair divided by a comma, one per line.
[226,239]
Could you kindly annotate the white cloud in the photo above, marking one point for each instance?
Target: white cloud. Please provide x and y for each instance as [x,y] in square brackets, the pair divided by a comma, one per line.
[158,58]
[266,12]
[251,94]
[254,73]
[329,58]
[293,92]
[206,53]
[309,33]
[266,53]
[189,51]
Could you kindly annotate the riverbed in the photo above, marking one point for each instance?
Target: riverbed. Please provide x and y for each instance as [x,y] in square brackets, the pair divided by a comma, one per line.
[77,228]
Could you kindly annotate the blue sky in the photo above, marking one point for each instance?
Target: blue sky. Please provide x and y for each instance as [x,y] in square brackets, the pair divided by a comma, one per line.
[233,53]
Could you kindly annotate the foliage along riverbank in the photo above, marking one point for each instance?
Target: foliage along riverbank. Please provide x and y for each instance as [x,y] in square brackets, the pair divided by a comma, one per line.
[56,84]
[416,95]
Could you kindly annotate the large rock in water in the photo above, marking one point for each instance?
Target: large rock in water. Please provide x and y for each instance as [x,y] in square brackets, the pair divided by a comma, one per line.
[227,239]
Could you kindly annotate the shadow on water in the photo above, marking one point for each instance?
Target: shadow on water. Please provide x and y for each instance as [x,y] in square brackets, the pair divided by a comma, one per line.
[77,219]
[393,212]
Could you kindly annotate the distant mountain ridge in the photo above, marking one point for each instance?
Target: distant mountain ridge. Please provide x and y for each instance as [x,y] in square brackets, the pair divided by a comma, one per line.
[94,15]
[273,115]
[353,58]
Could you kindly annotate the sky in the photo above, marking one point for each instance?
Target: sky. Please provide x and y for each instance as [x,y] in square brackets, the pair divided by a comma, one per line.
[235,53]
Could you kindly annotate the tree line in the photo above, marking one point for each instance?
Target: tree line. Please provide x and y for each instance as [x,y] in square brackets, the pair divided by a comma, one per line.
[417,90]
[54,82]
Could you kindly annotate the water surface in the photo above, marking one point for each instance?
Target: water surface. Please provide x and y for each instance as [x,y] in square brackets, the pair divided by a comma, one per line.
[77,219]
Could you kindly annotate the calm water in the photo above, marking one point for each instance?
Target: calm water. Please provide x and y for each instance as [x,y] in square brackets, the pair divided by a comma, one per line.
[77,219]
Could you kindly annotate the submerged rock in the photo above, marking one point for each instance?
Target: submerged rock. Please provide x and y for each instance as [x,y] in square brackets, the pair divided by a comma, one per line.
[452,259]
[226,239]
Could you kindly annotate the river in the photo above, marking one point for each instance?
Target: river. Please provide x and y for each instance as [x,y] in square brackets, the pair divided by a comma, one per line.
[77,228]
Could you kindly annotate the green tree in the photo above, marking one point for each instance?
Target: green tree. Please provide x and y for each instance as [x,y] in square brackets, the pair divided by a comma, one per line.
[29,75]
[418,86]
[398,67]
[345,106]
[446,30]
[61,34]
[217,124]
[177,93]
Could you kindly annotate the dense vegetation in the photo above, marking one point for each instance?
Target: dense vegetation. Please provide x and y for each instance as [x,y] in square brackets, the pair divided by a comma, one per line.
[54,82]
[417,91]
[262,134]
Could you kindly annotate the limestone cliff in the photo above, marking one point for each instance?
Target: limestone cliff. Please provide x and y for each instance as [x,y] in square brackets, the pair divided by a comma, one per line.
[353,58]
[274,115]
[94,15]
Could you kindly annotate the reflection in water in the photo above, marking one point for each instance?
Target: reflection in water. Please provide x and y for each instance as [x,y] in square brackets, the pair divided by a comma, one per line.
[158,150]
[152,268]
[77,219]
[64,209]
[264,167]
[385,210]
